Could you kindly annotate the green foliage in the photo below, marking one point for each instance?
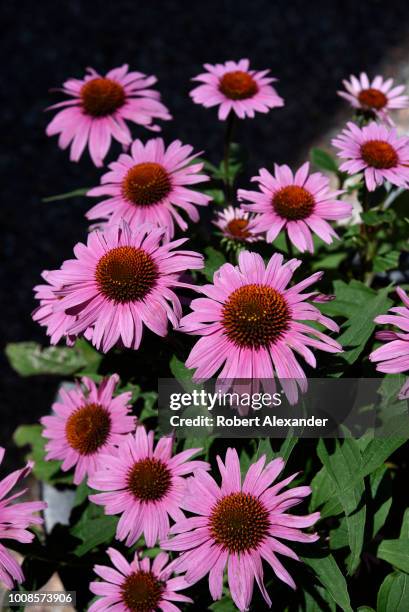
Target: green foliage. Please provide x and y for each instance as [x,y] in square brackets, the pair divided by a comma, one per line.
[93,529]
[30,359]
[393,595]
[332,579]
[47,471]
[323,160]
[214,259]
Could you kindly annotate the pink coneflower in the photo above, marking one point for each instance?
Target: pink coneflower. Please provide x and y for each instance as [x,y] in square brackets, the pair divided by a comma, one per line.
[252,323]
[300,203]
[14,522]
[237,525]
[136,586]
[121,280]
[99,108]
[234,87]
[144,485]
[150,185]
[377,97]
[89,421]
[238,225]
[393,357]
[377,151]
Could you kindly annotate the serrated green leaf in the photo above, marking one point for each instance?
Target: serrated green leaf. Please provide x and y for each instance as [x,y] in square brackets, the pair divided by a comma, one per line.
[30,359]
[393,596]
[331,577]
[323,160]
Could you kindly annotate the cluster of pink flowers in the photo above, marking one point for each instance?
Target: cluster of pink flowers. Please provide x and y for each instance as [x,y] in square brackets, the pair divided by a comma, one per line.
[235,524]
[252,322]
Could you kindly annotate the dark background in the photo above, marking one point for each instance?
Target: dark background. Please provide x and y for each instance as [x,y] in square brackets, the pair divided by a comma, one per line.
[309,46]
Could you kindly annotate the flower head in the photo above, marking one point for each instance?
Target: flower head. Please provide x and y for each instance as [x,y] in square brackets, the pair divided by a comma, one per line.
[252,323]
[237,525]
[393,357]
[99,107]
[151,185]
[234,87]
[144,484]
[376,151]
[137,586]
[121,280]
[376,97]
[88,421]
[15,518]
[299,203]
[238,225]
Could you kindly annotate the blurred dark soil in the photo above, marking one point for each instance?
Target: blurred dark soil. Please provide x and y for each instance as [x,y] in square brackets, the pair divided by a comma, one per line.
[310,47]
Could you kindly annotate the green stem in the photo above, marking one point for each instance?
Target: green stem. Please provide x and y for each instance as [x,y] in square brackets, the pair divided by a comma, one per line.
[226,158]
[370,243]
[289,244]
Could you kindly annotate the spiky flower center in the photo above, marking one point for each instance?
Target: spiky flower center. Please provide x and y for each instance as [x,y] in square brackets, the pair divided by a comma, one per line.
[238,228]
[293,203]
[142,591]
[146,184]
[372,98]
[101,97]
[239,522]
[238,85]
[255,316]
[126,274]
[88,428]
[149,479]
[379,154]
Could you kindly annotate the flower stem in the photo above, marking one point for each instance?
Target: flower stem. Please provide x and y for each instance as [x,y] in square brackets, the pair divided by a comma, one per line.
[370,242]
[226,159]
[289,246]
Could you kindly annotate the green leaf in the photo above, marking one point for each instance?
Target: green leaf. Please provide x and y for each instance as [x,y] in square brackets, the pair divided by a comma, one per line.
[331,577]
[377,217]
[223,605]
[31,435]
[182,374]
[332,261]
[214,259]
[93,528]
[380,486]
[393,595]
[65,196]
[323,160]
[386,261]
[90,355]
[29,359]
[217,195]
[341,468]
[361,325]
[380,449]
[81,493]
[395,552]
[315,599]
[404,530]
